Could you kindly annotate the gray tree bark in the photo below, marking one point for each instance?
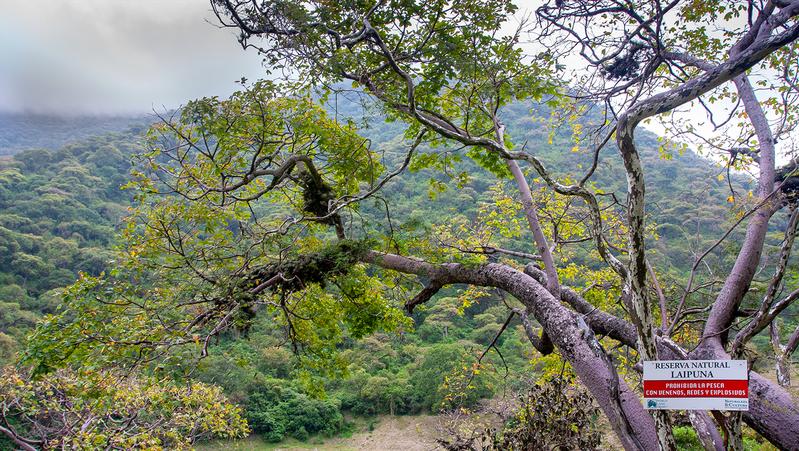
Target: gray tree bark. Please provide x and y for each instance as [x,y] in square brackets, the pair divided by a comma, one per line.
[569,333]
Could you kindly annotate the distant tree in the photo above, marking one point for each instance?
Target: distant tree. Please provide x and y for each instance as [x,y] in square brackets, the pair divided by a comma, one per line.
[8,348]
[34,158]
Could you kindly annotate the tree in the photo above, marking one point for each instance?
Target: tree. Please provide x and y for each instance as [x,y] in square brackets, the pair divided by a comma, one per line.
[264,192]
[783,353]
[654,68]
[642,68]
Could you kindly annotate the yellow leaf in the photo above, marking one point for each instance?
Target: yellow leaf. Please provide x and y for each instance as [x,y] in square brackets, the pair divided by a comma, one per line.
[731,199]
[720,177]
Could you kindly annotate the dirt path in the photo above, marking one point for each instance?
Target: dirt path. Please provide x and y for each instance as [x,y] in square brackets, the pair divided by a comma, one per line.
[402,433]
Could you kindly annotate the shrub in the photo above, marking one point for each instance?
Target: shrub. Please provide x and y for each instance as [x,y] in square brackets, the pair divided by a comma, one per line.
[686,439]
[553,415]
[276,411]
[301,434]
[269,423]
[556,414]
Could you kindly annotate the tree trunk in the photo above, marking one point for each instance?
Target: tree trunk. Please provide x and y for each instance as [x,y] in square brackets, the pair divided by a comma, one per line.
[782,365]
[639,306]
[553,284]
[706,430]
[737,282]
[735,440]
[772,412]
[783,369]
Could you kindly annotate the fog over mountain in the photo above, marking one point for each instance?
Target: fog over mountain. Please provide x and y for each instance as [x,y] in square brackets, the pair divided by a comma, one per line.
[114,56]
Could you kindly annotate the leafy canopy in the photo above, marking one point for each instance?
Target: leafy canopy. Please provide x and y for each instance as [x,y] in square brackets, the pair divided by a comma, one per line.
[235,199]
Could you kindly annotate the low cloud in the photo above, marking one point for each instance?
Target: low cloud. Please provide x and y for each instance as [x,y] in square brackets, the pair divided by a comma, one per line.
[115,56]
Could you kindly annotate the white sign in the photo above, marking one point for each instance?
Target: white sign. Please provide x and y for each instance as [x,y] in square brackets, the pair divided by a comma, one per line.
[696,385]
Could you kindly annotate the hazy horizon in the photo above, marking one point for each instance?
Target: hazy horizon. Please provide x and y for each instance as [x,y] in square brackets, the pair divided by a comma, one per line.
[115,57]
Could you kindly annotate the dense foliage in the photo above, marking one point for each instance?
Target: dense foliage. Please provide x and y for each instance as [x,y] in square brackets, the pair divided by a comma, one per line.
[418,370]
[114,411]
[59,213]
[360,354]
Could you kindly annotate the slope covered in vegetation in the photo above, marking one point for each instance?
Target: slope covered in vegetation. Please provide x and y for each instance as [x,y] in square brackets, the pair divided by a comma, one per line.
[22,131]
[59,210]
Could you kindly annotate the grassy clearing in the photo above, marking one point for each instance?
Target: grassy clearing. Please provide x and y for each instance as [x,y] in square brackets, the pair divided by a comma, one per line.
[387,433]
[255,443]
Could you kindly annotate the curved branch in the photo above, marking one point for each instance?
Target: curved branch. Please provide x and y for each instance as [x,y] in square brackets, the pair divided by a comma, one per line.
[764,317]
[542,344]
[568,331]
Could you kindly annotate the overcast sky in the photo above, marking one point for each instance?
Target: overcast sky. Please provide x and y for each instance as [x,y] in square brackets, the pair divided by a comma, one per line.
[115,56]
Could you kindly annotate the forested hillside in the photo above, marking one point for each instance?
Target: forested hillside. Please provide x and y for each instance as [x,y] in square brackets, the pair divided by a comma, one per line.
[60,211]
[21,131]
[442,209]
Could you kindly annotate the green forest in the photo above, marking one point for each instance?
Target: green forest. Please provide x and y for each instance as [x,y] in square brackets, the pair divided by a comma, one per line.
[62,213]
[394,231]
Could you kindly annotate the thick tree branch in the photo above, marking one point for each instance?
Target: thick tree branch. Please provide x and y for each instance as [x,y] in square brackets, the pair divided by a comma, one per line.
[763,317]
[542,344]
[574,338]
